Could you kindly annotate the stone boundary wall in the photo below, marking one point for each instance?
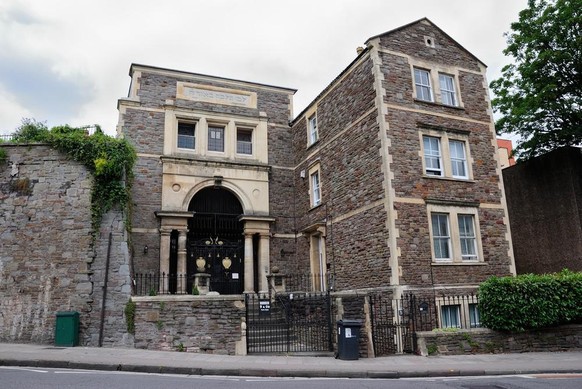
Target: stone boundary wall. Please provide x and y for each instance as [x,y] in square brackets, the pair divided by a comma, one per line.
[483,340]
[48,262]
[198,324]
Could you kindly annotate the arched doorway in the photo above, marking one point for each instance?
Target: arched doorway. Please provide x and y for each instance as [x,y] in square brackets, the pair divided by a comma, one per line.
[215,240]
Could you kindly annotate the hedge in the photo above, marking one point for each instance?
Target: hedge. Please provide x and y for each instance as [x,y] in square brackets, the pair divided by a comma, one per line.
[531,301]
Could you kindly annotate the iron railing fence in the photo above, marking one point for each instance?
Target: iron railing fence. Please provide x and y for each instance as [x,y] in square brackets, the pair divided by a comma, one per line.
[153,284]
[310,282]
[395,322]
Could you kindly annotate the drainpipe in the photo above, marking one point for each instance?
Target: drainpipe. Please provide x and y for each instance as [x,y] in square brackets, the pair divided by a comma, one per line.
[103,300]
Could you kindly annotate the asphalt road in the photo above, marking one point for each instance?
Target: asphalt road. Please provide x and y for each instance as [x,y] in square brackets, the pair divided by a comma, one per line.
[37,378]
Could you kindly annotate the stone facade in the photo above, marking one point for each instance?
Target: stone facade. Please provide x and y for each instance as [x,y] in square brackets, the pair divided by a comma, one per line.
[367,220]
[48,262]
[544,197]
[388,181]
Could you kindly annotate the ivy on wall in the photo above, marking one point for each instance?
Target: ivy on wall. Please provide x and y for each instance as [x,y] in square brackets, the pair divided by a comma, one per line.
[110,160]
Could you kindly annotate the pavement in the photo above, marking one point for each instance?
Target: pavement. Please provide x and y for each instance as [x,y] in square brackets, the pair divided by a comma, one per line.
[397,366]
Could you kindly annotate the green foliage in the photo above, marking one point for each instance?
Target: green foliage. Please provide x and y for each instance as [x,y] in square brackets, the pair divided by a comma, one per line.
[159,325]
[539,95]
[109,160]
[531,301]
[432,349]
[30,131]
[3,156]
[130,316]
[195,290]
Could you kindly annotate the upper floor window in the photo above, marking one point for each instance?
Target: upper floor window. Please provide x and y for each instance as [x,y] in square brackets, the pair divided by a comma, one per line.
[313,132]
[454,234]
[186,135]
[458,159]
[447,86]
[444,156]
[315,185]
[215,138]
[432,156]
[244,141]
[422,83]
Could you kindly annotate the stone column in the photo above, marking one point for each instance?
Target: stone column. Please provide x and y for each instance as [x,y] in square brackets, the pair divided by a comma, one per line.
[264,263]
[164,260]
[182,253]
[249,268]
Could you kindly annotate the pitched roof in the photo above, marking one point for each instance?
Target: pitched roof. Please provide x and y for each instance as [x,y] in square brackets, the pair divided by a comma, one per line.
[425,19]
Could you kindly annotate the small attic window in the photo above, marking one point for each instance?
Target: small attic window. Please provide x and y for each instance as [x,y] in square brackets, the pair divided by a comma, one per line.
[429,41]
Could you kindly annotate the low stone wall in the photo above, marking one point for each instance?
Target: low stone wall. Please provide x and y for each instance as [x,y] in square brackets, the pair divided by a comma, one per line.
[482,340]
[199,324]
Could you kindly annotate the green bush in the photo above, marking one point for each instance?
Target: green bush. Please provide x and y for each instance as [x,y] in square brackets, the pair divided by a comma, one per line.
[531,301]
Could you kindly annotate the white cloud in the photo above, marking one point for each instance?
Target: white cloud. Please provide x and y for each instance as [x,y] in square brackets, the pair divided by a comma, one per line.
[66,61]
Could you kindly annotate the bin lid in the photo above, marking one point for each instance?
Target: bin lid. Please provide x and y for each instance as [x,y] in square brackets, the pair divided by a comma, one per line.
[349,323]
[67,313]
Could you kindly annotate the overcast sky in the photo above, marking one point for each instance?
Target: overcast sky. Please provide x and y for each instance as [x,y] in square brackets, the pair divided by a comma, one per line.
[67,61]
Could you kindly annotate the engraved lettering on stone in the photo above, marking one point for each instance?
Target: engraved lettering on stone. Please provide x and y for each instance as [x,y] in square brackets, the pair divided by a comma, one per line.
[205,95]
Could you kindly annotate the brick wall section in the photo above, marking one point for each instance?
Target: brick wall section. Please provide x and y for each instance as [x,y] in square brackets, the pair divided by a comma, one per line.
[544,197]
[483,341]
[200,324]
[47,261]
[360,253]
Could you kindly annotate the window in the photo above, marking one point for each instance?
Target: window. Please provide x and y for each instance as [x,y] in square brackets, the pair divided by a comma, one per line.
[467,237]
[443,156]
[458,159]
[186,135]
[441,236]
[450,316]
[315,189]
[215,138]
[447,85]
[313,133]
[432,156]
[474,318]
[422,83]
[454,234]
[244,141]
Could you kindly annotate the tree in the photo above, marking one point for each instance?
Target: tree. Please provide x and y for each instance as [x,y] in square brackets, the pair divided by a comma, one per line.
[539,95]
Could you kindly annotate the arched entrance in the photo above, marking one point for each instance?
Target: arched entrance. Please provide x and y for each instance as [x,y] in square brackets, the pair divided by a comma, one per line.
[215,240]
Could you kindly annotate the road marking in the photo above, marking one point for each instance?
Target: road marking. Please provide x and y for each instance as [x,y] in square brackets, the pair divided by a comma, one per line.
[24,369]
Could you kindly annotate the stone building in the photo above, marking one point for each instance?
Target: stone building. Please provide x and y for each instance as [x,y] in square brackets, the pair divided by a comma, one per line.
[544,201]
[389,180]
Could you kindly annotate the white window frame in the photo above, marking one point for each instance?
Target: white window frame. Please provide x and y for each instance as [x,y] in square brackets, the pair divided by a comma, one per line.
[458,161]
[467,239]
[441,237]
[312,128]
[448,89]
[432,154]
[315,186]
[456,252]
[423,85]
[450,162]
[247,130]
[191,138]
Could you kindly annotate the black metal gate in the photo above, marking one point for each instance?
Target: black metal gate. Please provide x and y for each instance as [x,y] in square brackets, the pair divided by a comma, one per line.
[395,322]
[289,323]
[215,240]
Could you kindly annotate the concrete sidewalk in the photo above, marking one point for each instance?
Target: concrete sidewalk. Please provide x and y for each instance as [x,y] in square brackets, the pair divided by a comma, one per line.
[171,362]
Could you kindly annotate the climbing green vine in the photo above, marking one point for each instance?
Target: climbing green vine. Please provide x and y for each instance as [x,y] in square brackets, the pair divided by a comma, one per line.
[110,161]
